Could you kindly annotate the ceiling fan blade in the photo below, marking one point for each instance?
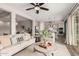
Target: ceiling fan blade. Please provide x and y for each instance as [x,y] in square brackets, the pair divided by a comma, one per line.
[30,8]
[37,11]
[40,4]
[44,8]
[33,4]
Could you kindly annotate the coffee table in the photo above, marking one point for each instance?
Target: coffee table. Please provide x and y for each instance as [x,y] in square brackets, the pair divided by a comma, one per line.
[45,51]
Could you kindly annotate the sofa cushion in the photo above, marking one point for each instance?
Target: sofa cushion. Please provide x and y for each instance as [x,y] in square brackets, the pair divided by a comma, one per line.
[5,41]
[26,36]
[1,47]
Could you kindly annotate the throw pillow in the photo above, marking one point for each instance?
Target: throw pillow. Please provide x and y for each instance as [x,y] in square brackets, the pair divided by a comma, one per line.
[5,41]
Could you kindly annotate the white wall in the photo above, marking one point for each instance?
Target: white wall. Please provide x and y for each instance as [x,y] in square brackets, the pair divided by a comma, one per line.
[42,26]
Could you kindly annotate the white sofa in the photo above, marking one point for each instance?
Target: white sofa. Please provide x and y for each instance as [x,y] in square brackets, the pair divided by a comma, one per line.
[14,48]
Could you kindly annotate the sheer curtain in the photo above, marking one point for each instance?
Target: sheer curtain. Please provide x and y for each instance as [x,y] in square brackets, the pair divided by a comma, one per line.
[75,29]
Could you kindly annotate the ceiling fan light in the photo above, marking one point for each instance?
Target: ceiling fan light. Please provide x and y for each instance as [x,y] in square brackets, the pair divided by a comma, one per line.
[37,8]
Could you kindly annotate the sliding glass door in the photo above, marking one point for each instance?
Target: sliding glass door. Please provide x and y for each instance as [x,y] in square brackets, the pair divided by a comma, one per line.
[75,30]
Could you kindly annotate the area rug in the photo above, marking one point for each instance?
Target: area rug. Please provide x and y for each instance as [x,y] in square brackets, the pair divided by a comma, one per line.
[61,50]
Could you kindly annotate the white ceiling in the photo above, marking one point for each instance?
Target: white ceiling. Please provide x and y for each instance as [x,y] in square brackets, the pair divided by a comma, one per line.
[57,11]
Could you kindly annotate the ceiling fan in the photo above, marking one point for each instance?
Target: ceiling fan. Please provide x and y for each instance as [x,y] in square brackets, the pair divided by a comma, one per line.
[37,7]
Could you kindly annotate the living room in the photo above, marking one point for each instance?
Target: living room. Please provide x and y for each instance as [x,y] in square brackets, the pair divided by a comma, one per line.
[22,29]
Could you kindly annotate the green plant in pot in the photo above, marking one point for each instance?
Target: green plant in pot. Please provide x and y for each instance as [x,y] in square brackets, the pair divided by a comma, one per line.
[45,34]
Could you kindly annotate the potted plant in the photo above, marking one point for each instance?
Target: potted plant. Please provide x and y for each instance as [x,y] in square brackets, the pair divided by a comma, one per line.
[45,35]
